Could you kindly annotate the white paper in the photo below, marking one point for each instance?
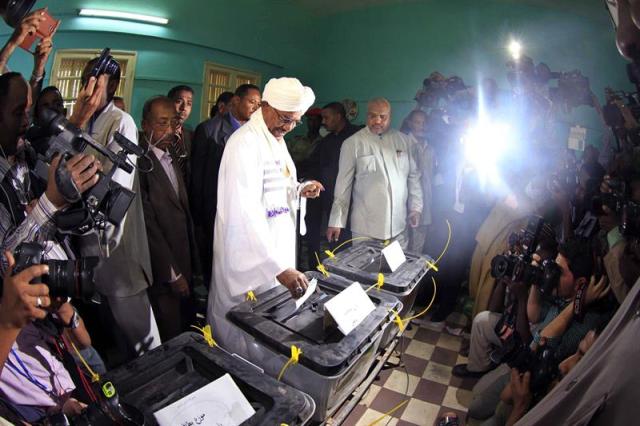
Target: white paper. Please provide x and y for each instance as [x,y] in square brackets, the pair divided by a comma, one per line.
[350,307]
[394,255]
[577,138]
[307,294]
[220,403]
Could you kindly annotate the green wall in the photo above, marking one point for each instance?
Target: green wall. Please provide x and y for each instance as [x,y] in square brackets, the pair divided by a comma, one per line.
[388,50]
[384,50]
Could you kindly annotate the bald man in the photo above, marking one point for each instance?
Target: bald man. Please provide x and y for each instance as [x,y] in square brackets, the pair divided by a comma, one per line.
[378,172]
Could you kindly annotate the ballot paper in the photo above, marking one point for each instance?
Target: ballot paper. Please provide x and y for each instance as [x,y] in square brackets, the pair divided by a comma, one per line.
[349,307]
[313,284]
[220,403]
[394,255]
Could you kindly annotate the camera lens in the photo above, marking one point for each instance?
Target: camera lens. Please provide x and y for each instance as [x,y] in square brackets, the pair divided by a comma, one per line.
[69,278]
[499,266]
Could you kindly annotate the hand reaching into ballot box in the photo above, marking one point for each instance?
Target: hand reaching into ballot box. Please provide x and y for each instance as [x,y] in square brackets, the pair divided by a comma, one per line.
[295,281]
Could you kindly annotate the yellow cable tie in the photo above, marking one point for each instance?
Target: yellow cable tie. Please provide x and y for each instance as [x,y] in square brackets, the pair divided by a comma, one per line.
[398,320]
[295,357]
[251,296]
[322,269]
[207,334]
[330,254]
[433,298]
[380,282]
[386,243]
[432,266]
[95,377]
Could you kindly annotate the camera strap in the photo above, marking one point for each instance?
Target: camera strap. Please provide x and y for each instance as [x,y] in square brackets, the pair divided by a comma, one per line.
[579,302]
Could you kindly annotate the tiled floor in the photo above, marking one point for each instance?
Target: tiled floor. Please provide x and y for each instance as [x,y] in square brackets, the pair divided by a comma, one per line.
[425,381]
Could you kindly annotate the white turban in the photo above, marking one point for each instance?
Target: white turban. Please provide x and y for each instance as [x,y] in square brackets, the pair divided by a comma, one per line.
[288,94]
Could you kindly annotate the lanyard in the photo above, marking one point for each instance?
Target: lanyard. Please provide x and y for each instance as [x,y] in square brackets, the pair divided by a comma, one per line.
[24,372]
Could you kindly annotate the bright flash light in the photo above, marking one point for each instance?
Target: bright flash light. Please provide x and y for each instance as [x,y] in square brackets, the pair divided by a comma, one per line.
[515,49]
[485,145]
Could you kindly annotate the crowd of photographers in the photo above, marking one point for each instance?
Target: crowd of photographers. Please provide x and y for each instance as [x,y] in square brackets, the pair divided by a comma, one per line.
[548,263]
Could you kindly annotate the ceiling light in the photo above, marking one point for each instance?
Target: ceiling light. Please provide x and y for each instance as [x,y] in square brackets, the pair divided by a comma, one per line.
[98,13]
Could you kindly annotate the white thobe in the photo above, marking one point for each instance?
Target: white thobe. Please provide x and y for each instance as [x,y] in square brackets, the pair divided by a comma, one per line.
[254,234]
[379,173]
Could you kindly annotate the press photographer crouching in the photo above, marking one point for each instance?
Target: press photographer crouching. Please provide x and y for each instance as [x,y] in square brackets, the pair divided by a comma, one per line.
[554,301]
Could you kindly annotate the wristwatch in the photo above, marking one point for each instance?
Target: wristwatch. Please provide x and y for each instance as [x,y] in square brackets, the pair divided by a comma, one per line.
[74,322]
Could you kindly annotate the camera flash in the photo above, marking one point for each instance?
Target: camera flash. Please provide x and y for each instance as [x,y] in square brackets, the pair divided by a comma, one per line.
[515,48]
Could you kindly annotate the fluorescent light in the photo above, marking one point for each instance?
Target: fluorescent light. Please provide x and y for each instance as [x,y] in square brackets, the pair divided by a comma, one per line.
[123,15]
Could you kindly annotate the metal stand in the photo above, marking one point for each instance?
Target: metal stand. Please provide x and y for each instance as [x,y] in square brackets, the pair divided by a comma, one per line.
[341,414]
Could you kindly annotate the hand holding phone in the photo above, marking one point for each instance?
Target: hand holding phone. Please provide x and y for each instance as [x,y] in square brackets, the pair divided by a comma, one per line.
[37,24]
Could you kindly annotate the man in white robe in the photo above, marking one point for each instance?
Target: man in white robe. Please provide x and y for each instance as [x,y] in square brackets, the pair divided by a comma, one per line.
[255,226]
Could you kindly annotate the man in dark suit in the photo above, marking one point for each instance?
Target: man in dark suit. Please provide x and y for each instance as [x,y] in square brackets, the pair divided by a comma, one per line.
[174,258]
[208,144]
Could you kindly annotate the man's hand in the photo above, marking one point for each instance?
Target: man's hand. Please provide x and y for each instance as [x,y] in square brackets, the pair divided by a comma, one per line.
[180,287]
[520,390]
[72,407]
[83,170]
[333,234]
[414,219]
[28,26]
[312,189]
[23,302]
[295,281]
[41,55]
[597,291]
[89,100]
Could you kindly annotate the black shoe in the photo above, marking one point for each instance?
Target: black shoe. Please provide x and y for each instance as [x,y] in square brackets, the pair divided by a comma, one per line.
[461,370]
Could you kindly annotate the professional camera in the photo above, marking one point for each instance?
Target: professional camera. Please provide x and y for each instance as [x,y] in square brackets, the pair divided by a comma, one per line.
[106,201]
[66,278]
[542,364]
[516,265]
[437,87]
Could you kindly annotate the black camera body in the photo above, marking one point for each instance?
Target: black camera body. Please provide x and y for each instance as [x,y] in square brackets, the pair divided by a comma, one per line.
[66,278]
[543,363]
[107,201]
[516,266]
[106,64]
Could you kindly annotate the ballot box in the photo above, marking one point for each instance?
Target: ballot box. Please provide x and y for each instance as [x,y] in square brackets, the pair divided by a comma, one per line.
[363,262]
[331,364]
[175,371]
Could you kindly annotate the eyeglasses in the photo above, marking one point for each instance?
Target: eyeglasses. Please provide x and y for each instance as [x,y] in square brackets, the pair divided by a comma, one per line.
[286,121]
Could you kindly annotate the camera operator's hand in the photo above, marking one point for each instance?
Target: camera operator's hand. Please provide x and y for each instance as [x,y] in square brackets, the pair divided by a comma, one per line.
[72,407]
[89,100]
[520,394]
[295,281]
[22,302]
[414,219]
[28,26]
[333,234]
[83,170]
[597,291]
[180,287]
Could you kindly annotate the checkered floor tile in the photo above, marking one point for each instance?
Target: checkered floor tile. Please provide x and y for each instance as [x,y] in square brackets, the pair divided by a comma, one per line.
[424,379]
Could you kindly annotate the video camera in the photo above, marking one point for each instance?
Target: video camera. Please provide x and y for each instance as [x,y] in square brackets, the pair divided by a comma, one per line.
[107,201]
[621,111]
[516,264]
[437,87]
[66,278]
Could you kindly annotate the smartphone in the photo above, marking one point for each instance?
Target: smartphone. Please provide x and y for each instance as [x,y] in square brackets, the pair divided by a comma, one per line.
[45,29]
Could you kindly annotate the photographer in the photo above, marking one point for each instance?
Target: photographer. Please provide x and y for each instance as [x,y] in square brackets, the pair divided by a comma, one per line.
[22,216]
[124,274]
[35,380]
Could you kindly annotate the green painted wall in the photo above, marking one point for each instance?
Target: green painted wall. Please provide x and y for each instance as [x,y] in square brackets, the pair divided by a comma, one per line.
[388,50]
[383,50]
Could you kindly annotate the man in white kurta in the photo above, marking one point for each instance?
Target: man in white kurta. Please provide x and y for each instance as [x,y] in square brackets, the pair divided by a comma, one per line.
[378,172]
[255,226]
